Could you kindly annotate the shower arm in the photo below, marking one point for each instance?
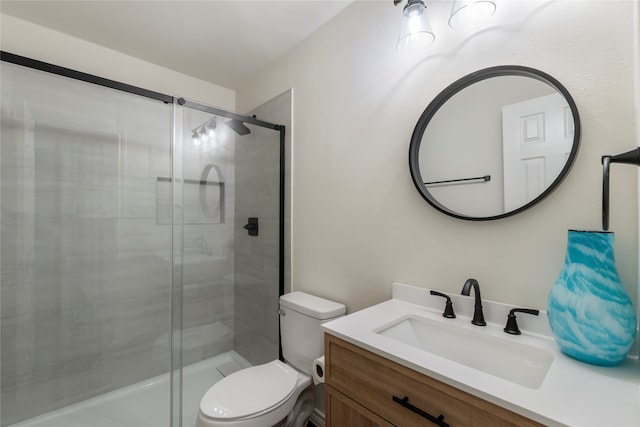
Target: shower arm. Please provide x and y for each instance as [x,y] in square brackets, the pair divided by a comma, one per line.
[630,157]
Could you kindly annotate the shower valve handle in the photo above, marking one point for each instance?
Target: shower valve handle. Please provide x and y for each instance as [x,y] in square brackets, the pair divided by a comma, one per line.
[252,226]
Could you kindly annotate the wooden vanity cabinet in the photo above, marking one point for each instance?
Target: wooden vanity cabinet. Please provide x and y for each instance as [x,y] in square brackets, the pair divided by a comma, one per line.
[367,390]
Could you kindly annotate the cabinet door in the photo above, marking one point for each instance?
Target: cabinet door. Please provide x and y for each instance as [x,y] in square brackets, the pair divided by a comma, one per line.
[344,412]
[381,385]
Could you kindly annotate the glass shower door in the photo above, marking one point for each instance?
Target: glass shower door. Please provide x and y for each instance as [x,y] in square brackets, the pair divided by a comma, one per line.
[85,259]
[232,246]
[141,251]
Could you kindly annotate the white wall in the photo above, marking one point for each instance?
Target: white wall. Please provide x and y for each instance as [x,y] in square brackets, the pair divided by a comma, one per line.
[37,42]
[359,224]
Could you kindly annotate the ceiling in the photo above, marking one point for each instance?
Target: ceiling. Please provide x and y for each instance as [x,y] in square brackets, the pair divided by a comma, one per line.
[223,42]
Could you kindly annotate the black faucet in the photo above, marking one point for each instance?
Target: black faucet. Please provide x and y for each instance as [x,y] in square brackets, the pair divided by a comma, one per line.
[478,316]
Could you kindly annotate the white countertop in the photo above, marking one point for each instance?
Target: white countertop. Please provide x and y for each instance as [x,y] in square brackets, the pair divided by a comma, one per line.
[572,393]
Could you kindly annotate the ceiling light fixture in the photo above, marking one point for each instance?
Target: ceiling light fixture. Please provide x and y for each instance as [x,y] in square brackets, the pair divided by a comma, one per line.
[469,13]
[415,32]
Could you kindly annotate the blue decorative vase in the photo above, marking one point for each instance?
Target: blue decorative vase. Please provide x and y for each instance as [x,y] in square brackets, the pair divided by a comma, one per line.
[590,313]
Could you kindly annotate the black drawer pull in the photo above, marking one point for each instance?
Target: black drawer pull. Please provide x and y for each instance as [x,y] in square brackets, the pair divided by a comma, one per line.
[405,402]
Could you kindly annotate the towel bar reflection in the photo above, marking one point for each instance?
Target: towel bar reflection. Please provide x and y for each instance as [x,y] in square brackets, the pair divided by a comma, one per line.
[480,180]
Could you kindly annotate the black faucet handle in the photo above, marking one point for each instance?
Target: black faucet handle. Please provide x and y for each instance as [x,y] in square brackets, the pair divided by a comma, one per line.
[512,324]
[448,305]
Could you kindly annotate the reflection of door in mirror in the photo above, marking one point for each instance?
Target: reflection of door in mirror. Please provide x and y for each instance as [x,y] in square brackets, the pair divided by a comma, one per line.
[537,141]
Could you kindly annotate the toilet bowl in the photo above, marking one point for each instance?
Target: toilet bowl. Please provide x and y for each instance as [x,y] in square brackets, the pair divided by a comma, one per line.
[259,396]
[276,393]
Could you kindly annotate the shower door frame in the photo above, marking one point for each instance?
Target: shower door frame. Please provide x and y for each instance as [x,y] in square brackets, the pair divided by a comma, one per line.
[175,418]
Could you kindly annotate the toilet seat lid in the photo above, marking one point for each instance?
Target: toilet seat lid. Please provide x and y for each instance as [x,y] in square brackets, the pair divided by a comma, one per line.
[249,391]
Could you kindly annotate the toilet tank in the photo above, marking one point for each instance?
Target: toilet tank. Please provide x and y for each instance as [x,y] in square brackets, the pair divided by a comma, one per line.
[301,315]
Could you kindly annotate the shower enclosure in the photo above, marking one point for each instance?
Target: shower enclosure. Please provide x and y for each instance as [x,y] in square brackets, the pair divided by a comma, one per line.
[141,249]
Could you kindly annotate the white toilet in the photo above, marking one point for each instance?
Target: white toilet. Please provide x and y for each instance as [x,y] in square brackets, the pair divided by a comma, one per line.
[275,393]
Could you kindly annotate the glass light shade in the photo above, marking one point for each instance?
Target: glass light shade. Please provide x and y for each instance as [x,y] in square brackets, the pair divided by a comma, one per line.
[203,136]
[415,32]
[469,13]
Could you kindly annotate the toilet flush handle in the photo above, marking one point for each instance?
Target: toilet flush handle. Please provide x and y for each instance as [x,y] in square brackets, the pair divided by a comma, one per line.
[281,312]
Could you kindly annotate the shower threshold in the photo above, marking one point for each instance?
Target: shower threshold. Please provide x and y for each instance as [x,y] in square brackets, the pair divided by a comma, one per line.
[145,404]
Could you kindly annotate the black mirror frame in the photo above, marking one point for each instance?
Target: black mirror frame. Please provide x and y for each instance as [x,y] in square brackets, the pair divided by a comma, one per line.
[457,86]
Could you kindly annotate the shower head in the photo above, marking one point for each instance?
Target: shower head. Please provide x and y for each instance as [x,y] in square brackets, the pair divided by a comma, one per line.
[238,127]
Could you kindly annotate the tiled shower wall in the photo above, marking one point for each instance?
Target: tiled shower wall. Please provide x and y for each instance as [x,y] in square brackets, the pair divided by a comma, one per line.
[85,284]
[257,288]
[85,255]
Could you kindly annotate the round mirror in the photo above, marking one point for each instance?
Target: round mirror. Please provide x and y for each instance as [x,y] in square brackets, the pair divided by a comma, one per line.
[494,143]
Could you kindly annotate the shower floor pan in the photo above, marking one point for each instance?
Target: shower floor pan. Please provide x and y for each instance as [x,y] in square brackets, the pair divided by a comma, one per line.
[145,404]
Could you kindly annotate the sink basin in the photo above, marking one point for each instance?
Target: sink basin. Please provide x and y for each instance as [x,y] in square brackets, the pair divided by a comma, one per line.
[512,361]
